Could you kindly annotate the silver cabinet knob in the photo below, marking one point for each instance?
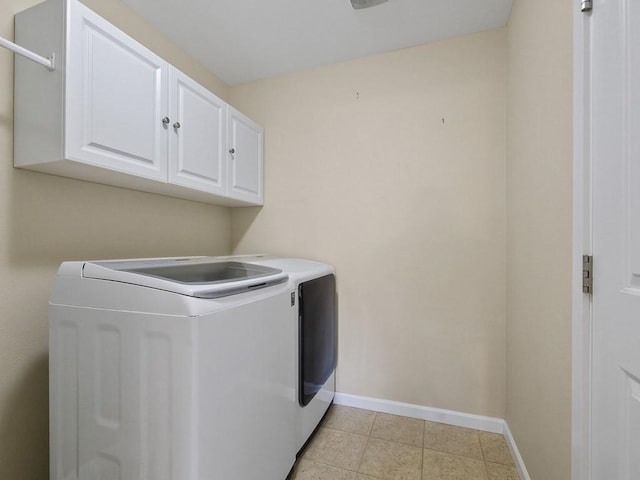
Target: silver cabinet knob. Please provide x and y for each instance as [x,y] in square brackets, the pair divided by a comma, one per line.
[232,151]
[176,125]
[165,120]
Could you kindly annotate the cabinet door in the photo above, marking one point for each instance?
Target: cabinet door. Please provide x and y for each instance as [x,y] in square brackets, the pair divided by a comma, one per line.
[115,99]
[197,136]
[245,158]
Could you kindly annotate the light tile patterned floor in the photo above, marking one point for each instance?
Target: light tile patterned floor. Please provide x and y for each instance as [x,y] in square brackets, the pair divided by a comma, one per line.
[355,444]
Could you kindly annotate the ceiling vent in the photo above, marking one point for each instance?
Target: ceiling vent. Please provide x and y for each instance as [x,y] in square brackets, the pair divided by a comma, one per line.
[358,4]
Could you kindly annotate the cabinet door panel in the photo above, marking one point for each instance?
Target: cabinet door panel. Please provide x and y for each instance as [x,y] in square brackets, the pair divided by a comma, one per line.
[197,144]
[245,144]
[115,99]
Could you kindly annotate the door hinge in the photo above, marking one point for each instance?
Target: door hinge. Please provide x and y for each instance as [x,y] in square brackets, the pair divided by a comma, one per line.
[586,5]
[587,274]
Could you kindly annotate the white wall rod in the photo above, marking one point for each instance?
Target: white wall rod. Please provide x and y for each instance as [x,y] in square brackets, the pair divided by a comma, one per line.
[47,62]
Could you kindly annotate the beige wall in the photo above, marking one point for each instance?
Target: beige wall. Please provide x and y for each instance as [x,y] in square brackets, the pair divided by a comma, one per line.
[45,220]
[539,185]
[392,169]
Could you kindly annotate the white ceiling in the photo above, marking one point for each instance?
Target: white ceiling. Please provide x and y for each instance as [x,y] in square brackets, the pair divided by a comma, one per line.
[245,40]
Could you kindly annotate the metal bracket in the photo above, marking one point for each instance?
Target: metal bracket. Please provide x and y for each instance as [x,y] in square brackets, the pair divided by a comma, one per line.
[586,5]
[587,274]
[52,59]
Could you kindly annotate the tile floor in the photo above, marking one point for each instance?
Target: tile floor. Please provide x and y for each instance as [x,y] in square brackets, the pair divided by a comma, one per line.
[355,444]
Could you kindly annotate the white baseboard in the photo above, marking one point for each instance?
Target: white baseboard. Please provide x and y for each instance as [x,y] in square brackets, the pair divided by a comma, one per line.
[515,453]
[477,422]
[450,417]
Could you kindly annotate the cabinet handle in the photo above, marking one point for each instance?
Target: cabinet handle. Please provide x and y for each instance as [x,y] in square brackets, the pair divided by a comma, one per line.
[232,151]
[165,120]
[176,125]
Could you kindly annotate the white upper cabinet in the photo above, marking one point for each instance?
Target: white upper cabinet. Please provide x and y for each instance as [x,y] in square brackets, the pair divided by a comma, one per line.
[115,99]
[197,137]
[245,141]
[113,112]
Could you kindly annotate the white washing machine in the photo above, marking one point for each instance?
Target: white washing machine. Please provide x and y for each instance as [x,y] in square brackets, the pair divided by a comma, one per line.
[178,368]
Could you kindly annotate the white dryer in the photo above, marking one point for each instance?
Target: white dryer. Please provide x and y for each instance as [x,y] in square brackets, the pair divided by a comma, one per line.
[314,285]
[177,368]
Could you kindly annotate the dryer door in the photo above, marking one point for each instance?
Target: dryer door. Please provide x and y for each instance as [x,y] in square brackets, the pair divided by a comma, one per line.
[318,335]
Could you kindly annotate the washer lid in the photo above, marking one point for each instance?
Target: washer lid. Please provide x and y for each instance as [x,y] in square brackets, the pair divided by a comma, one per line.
[203,277]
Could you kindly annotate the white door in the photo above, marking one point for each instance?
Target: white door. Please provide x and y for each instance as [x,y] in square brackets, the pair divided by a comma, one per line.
[615,150]
[244,144]
[116,99]
[197,136]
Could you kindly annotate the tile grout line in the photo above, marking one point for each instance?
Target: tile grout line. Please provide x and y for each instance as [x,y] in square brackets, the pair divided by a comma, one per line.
[375,416]
[484,457]
[366,444]
[424,439]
